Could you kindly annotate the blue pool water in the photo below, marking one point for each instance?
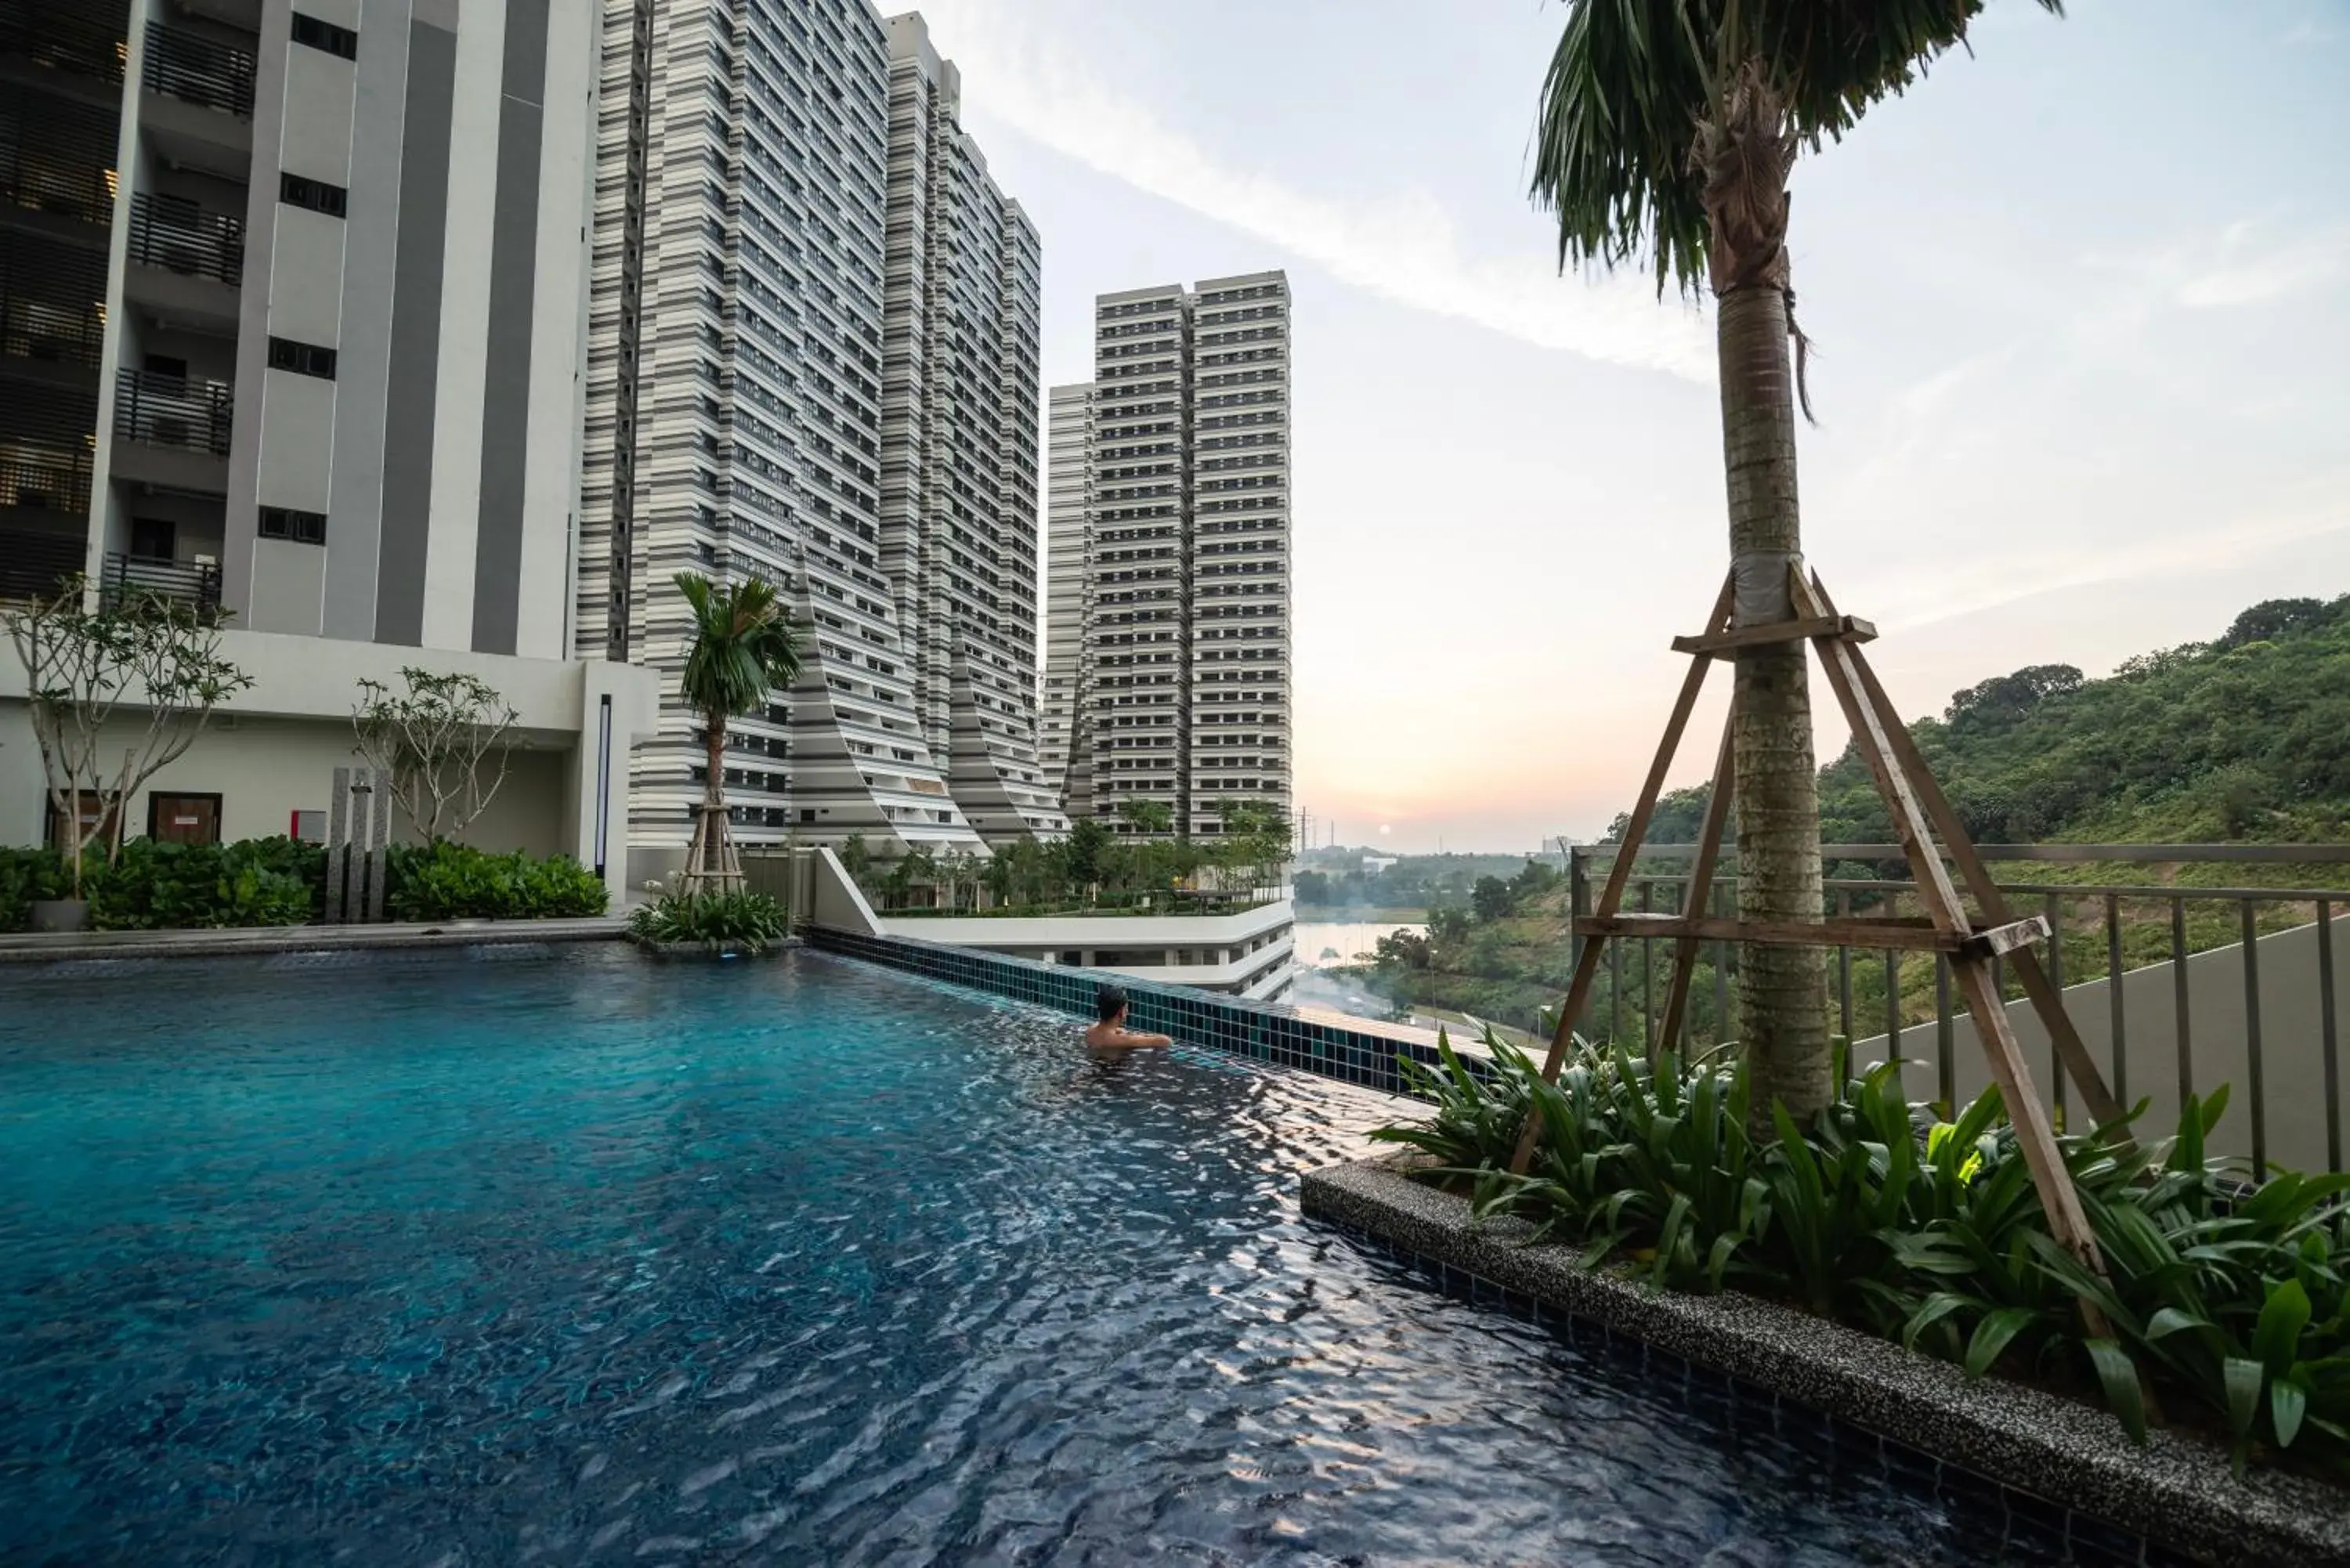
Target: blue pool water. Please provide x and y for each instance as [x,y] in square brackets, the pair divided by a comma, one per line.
[569,1257]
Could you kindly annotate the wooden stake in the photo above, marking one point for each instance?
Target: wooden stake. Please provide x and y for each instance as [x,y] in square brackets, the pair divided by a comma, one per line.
[2079,1066]
[1701,883]
[2067,1221]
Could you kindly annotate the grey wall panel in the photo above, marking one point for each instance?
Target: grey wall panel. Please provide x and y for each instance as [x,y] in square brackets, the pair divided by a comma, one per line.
[363,364]
[253,307]
[415,335]
[513,271]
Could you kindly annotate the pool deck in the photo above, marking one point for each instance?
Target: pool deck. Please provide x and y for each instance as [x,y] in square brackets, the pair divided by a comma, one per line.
[54,947]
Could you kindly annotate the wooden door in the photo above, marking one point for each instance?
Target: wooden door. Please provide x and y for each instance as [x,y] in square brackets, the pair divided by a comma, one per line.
[183,818]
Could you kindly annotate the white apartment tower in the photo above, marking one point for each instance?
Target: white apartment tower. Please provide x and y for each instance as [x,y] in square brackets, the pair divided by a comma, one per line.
[793,373]
[1068,490]
[1184,692]
[294,299]
[959,446]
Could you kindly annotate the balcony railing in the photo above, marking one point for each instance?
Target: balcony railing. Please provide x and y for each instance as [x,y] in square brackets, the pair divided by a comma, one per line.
[167,410]
[199,70]
[178,235]
[34,563]
[47,35]
[129,578]
[56,153]
[2194,1010]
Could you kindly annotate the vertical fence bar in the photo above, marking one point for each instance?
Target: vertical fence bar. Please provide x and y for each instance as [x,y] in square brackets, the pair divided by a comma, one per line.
[1893,1008]
[1946,1055]
[1648,975]
[2326,1030]
[1720,971]
[1687,911]
[2252,1042]
[2178,996]
[2055,910]
[1844,968]
[2113,996]
[1614,987]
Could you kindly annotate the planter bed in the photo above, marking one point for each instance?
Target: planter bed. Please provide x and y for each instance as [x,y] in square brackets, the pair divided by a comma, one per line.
[2057,1465]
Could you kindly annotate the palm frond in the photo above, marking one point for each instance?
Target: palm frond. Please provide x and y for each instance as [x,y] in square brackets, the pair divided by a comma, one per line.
[745,644]
[1631,80]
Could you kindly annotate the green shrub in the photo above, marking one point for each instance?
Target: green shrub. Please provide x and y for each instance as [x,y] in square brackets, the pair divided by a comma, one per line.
[159,885]
[26,875]
[449,881]
[2220,1296]
[749,920]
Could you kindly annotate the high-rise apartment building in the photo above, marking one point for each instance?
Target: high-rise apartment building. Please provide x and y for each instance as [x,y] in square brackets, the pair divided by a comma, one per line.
[1183,688]
[812,359]
[1068,490]
[294,301]
[959,446]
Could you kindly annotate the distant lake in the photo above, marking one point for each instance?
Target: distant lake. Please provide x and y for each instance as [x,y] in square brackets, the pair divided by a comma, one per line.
[1347,937]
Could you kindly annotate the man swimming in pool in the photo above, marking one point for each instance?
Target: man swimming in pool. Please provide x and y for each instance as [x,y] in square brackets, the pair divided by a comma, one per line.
[1109,1035]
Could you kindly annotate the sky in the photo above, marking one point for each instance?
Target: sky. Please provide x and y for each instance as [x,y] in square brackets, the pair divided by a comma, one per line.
[2081,304]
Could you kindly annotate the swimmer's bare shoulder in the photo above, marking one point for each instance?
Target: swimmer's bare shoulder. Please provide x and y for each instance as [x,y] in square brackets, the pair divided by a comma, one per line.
[1110,1034]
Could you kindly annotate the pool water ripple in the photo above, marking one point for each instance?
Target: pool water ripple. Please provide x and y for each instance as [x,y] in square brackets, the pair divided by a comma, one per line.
[578,1259]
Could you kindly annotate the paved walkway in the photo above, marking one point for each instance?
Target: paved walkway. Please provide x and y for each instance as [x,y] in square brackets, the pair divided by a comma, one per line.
[50,947]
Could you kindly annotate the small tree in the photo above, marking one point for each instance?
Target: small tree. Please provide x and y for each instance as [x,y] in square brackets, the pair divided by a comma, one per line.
[436,741]
[855,857]
[745,645]
[1152,818]
[157,655]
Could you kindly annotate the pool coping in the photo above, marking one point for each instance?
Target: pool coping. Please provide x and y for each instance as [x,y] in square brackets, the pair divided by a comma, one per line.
[2178,1492]
[56,946]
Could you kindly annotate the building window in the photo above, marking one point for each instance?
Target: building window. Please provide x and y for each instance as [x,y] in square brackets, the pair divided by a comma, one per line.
[317,196]
[302,358]
[325,35]
[301,527]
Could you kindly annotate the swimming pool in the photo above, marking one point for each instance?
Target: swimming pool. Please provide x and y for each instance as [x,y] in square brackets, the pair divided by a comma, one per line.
[515,1256]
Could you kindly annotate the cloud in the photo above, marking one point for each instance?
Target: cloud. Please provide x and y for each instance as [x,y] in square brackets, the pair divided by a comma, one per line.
[2241,275]
[1401,248]
[2250,262]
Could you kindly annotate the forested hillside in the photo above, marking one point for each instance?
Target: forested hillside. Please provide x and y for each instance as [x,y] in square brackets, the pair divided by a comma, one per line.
[2246,737]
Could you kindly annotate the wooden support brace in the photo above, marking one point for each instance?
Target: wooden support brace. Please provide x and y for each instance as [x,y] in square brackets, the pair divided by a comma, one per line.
[2068,1222]
[2016,935]
[1700,882]
[1849,627]
[2045,1003]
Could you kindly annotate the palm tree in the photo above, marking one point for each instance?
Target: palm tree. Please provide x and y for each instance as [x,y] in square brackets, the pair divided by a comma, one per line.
[1667,131]
[745,645]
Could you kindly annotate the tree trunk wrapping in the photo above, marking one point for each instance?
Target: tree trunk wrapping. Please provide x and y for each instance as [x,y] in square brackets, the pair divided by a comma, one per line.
[1782,990]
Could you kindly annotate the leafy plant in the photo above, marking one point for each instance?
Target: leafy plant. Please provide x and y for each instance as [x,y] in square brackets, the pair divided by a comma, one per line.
[752,921]
[25,876]
[2226,1298]
[155,884]
[447,881]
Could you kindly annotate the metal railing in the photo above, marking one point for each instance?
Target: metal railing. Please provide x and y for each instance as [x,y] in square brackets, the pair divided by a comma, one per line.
[56,153]
[178,235]
[48,35]
[36,563]
[2167,978]
[127,577]
[52,300]
[199,70]
[168,411]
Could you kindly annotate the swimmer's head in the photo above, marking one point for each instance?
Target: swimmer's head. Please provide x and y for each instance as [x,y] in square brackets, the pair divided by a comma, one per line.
[1109,1003]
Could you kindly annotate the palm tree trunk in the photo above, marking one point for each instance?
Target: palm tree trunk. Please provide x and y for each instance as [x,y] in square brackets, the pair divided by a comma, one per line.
[1782,990]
